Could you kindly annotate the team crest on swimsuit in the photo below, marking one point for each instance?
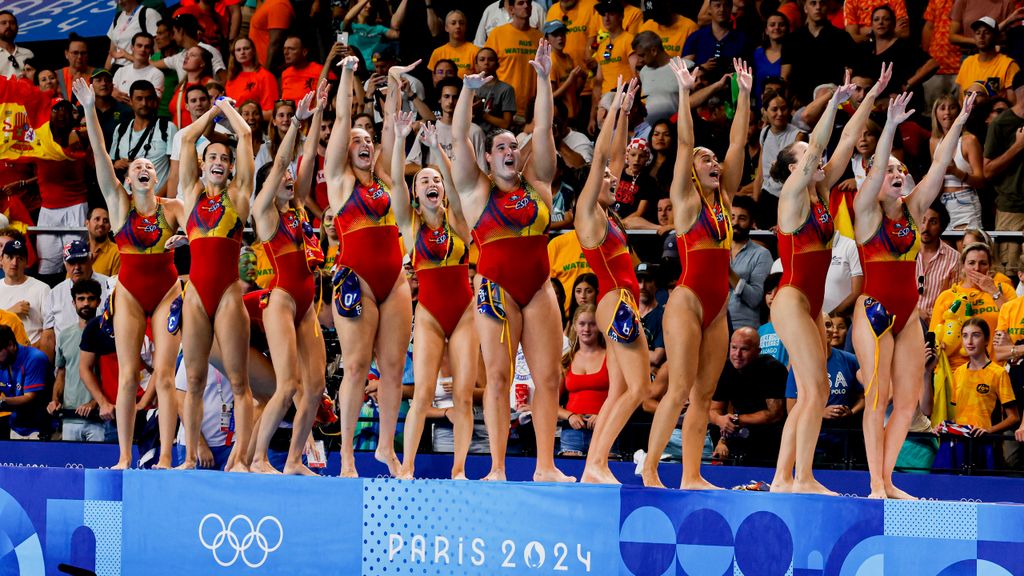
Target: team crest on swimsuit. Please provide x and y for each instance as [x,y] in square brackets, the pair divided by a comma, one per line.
[148,231]
[208,212]
[520,208]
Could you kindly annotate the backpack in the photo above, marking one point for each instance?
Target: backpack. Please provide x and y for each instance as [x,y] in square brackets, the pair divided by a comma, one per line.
[142,17]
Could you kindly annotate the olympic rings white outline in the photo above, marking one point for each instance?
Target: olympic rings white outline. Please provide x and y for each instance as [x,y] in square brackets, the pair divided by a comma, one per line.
[227,534]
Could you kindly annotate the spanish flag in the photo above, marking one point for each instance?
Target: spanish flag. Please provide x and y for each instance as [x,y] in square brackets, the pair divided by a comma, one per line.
[25,111]
[841,206]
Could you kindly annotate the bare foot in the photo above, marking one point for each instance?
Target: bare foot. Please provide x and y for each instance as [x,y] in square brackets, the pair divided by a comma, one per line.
[240,467]
[186,465]
[552,475]
[895,493]
[299,469]
[459,476]
[811,486]
[391,460]
[877,494]
[162,466]
[600,475]
[699,484]
[404,474]
[651,479]
[782,486]
[495,476]
[263,467]
[349,472]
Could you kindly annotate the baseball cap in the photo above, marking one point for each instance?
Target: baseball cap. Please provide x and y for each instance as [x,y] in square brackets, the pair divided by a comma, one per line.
[555,27]
[646,269]
[101,72]
[75,251]
[15,248]
[984,21]
[605,6]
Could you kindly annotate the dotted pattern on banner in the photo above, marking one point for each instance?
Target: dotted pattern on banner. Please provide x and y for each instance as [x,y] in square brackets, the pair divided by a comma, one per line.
[931,519]
[104,518]
[737,572]
[436,511]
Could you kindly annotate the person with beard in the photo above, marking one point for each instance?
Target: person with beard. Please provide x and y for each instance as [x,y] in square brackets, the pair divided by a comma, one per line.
[69,388]
[938,263]
[106,259]
[421,155]
[750,265]
[78,265]
[12,62]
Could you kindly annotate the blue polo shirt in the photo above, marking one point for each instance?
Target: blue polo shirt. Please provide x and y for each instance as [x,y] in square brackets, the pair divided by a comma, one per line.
[704,46]
[28,373]
[842,379]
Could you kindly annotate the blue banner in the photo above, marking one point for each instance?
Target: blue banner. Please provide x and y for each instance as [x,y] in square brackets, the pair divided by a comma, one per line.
[55,19]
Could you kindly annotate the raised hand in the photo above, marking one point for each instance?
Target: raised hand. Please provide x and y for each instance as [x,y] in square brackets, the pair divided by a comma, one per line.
[883,79]
[321,95]
[304,111]
[84,92]
[898,112]
[224,103]
[683,76]
[403,123]
[476,81]
[349,63]
[844,92]
[428,135]
[743,75]
[397,71]
[965,110]
[542,61]
[630,94]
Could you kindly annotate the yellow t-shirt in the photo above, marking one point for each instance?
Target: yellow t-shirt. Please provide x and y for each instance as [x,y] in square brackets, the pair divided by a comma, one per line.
[982,305]
[462,56]
[107,260]
[996,74]
[977,393]
[567,261]
[614,61]
[1011,319]
[632,18]
[515,49]
[583,22]
[11,320]
[561,65]
[672,37]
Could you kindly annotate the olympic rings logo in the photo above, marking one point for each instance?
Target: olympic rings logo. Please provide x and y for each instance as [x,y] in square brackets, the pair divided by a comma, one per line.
[227,535]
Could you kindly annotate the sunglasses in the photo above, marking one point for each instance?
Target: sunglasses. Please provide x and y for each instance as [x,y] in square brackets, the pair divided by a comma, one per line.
[608,51]
[13,61]
[920,285]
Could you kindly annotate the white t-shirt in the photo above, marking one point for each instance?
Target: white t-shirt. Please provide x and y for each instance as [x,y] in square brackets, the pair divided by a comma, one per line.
[218,393]
[61,308]
[37,294]
[661,92]
[178,60]
[127,25]
[522,376]
[126,75]
[155,148]
[444,141]
[845,265]
[576,141]
[20,55]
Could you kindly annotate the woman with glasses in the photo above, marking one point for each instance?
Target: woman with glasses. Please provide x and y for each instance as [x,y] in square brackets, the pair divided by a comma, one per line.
[372,298]
[965,175]
[887,335]
[805,233]
[146,285]
[509,212]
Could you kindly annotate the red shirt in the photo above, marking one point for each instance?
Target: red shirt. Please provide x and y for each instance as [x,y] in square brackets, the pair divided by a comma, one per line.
[260,86]
[297,82]
[271,15]
[62,183]
[178,104]
[587,392]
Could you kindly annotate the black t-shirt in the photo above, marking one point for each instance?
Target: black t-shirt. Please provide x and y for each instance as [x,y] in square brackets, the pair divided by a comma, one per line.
[817,59]
[749,390]
[652,327]
[631,190]
[95,340]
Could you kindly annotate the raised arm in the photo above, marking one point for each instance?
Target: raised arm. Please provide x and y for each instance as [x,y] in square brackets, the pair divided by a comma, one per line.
[732,171]
[930,186]
[543,161]
[336,155]
[263,210]
[428,136]
[866,200]
[188,161]
[840,160]
[402,126]
[303,180]
[392,104]
[616,154]
[682,176]
[587,205]
[245,163]
[113,192]
[467,173]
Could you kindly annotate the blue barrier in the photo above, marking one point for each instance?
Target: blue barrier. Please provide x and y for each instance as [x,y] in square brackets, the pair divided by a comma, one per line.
[171,522]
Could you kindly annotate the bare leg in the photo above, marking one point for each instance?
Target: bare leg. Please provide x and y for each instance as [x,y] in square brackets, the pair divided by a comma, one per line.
[165,352]
[906,389]
[876,396]
[713,350]
[129,330]
[356,336]
[279,320]
[463,363]
[498,346]
[196,338]
[312,366]
[393,337]
[428,346]
[231,327]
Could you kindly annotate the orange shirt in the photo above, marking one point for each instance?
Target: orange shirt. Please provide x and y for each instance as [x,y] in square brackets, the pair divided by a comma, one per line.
[462,56]
[515,49]
[260,86]
[272,15]
[672,37]
[944,52]
[296,82]
[582,21]
[859,11]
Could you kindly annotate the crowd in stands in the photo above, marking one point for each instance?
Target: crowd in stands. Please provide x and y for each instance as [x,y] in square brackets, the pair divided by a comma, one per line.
[167,65]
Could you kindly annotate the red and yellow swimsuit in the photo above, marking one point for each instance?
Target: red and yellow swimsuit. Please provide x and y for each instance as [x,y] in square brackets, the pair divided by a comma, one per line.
[704,252]
[806,255]
[215,240]
[286,252]
[147,266]
[368,238]
[441,260]
[513,241]
[889,259]
[612,263]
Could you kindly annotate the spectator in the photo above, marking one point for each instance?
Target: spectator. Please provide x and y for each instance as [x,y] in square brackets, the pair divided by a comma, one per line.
[46,79]
[185,32]
[248,80]
[864,152]
[12,63]
[301,76]
[840,330]
[366,19]
[778,133]
[567,262]
[97,368]
[935,38]
[845,280]
[144,136]
[859,16]
[211,16]
[268,28]
[77,56]
[198,72]
[24,295]
[106,259]
[612,53]
[1004,171]
[582,23]
[965,175]
[496,101]
[672,27]
[420,154]
[750,395]
[714,46]
[500,13]
[446,69]
[584,291]
[215,439]
[966,13]
[938,264]
[670,246]
[24,375]
[414,93]
[458,50]
[132,17]
[990,68]
[61,305]
[659,87]
[585,382]
[69,390]
[911,66]
[768,56]
[110,111]
[651,314]
[751,264]
[253,115]
[563,199]
[139,69]
[636,195]
[567,79]
[662,139]
[817,53]
[515,44]
[768,338]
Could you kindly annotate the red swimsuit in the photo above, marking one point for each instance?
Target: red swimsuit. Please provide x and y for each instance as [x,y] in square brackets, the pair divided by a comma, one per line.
[612,264]
[704,253]
[215,240]
[368,238]
[286,252]
[889,259]
[440,259]
[806,254]
[147,267]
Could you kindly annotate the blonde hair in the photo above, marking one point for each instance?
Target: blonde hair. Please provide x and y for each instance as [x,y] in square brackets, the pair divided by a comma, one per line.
[574,339]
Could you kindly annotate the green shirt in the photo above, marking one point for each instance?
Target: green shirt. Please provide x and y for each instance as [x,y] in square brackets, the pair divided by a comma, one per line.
[67,357]
[1009,184]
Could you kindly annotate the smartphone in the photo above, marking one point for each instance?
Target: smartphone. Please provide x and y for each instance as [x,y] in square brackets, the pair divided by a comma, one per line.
[343,38]
[929,339]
